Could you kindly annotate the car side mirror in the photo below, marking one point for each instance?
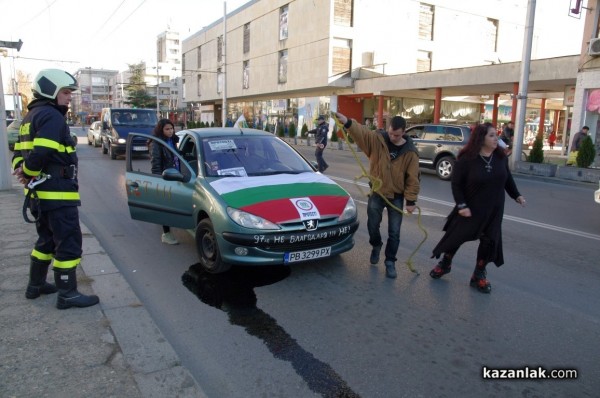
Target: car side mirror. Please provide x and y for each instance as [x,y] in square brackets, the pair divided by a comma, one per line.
[172,174]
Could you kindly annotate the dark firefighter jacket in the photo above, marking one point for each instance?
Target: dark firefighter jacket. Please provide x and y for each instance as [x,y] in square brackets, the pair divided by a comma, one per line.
[45,147]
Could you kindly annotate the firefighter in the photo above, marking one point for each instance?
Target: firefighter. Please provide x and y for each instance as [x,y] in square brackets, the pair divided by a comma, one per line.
[45,155]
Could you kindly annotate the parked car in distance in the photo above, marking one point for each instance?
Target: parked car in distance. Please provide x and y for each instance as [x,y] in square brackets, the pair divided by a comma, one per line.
[117,123]
[248,197]
[439,145]
[94,134]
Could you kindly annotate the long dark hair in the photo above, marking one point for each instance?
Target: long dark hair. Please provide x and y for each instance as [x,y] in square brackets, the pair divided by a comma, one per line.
[158,129]
[476,141]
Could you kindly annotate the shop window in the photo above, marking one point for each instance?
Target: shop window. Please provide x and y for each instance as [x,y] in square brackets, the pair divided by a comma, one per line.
[426,17]
[283,22]
[342,56]
[283,60]
[342,12]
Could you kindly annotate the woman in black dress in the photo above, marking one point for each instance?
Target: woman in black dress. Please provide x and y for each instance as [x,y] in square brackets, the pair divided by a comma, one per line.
[479,179]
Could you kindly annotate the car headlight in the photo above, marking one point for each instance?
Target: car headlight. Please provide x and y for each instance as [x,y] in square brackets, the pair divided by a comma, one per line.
[121,141]
[349,211]
[250,220]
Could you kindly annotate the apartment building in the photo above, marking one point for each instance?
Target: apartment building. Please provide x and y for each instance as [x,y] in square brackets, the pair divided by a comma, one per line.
[96,87]
[288,61]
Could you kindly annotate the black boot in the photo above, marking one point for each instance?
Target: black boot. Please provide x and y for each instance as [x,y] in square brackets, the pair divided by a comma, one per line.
[68,296]
[443,267]
[38,270]
[479,278]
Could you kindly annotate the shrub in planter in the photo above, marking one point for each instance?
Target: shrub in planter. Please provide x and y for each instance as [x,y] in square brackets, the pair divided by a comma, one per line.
[536,155]
[586,153]
[267,127]
[280,131]
[292,130]
[334,135]
[304,131]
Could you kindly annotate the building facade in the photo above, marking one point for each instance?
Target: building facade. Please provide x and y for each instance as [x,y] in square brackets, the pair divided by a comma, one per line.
[288,61]
[96,88]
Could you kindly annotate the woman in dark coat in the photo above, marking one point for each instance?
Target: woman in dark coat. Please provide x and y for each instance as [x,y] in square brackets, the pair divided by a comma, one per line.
[479,179]
[162,159]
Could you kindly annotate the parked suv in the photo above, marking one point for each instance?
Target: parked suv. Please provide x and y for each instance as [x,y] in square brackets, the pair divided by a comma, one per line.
[438,145]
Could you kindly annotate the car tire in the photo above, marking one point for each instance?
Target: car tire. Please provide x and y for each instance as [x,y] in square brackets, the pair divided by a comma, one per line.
[208,248]
[111,152]
[443,168]
[96,144]
[89,141]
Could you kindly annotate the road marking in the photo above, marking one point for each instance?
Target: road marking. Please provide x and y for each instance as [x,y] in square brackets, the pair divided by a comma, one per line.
[509,218]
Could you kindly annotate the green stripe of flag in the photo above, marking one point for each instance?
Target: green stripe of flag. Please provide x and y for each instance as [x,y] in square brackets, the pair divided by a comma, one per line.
[249,196]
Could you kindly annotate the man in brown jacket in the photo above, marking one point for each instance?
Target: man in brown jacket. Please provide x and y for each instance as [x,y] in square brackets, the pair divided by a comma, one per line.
[394,178]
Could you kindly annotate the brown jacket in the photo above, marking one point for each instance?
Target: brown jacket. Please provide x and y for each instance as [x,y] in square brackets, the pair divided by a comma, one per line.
[398,176]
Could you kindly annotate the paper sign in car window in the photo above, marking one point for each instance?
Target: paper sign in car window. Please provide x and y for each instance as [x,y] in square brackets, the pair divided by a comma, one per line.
[305,208]
[233,171]
[220,145]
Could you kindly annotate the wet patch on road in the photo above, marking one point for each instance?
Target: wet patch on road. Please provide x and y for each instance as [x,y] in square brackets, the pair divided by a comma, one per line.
[233,292]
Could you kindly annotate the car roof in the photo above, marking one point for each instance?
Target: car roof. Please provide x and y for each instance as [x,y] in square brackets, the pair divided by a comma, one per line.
[224,132]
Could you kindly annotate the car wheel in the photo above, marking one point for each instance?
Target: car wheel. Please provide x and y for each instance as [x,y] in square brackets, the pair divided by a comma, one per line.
[89,141]
[208,248]
[96,144]
[444,167]
[104,149]
[111,152]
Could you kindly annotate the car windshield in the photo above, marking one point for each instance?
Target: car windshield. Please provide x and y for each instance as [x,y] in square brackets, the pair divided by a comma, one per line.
[135,118]
[243,156]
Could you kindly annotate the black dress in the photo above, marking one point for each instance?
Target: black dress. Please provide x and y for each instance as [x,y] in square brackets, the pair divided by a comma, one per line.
[482,189]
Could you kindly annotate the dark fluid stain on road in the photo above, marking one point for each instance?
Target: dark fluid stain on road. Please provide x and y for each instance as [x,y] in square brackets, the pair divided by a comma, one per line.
[233,292]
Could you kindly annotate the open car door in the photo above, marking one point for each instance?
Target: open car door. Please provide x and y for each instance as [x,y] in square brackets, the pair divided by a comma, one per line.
[160,199]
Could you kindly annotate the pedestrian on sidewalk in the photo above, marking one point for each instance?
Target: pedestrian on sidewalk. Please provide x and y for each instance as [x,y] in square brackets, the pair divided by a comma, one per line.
[161,159]
[321,142]
[578,138]
[480,177]
[552,139]
[394,163]
[45,150]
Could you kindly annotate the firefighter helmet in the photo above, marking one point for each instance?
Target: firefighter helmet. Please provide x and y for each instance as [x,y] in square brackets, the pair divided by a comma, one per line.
[49,82]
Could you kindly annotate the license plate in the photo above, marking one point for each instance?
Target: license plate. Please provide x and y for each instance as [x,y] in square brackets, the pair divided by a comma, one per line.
[140,148]
[305,255]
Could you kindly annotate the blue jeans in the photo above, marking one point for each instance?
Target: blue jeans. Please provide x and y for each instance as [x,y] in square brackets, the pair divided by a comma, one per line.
[375,208]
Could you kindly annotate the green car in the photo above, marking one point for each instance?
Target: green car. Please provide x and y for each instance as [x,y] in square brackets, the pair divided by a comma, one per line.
[247,196]
[12,131]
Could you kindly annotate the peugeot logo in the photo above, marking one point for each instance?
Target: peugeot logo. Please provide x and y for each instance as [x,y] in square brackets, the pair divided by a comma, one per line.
[311,225]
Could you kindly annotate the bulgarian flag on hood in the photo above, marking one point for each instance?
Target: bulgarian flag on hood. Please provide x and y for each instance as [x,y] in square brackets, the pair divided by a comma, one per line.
[284,197]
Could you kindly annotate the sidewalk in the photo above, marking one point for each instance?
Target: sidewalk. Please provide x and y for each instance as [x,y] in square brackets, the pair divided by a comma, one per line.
[113,349]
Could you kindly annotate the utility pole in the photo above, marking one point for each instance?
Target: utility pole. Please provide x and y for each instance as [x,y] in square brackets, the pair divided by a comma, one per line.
[5,167]
[523,86]
[224,110]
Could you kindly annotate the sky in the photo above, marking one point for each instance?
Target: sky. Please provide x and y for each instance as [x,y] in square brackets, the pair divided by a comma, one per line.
[107,34]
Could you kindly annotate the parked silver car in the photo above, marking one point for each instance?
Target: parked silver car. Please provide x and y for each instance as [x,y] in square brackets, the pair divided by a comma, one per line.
[93,134]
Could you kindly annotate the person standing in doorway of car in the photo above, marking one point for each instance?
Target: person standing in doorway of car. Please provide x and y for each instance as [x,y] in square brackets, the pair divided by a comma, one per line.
[321,142]
[394,166]
[45,149]
[161,158]
[480,177]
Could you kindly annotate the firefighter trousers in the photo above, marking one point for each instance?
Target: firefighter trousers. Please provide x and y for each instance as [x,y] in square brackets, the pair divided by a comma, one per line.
[59,237]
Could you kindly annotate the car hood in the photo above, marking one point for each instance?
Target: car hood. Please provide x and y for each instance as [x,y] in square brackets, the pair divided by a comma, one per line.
[284,198]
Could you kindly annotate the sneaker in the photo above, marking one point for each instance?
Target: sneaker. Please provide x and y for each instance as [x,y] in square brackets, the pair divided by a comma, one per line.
[169,239]
[390,270]
[375,254]
[479,281]
[440,270]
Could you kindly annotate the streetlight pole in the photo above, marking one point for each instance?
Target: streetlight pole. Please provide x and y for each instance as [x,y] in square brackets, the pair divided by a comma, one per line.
[224,110]
[157,82]
[5,174]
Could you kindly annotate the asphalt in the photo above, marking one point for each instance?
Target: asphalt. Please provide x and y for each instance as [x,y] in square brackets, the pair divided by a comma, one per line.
[113,349]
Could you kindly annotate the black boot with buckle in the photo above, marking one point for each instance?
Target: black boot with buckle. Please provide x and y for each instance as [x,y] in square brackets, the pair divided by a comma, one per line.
[68,296]
[479,280]
[443,267]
